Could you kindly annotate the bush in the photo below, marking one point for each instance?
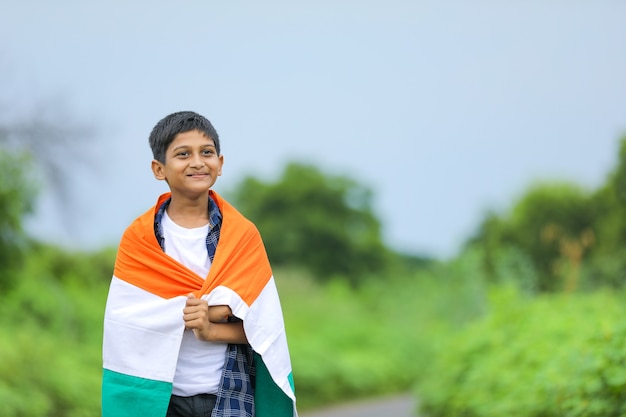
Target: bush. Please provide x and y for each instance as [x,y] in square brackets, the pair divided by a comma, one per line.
[347,342]
[51,335]
[553,355]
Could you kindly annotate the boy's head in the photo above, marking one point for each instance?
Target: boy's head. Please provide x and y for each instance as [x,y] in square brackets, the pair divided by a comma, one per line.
[167,128]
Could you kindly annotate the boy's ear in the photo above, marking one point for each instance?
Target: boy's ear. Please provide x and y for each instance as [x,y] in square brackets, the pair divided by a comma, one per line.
[221,158]
[158,170]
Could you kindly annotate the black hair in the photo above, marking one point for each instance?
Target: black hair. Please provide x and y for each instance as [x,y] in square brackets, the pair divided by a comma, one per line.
[168,127]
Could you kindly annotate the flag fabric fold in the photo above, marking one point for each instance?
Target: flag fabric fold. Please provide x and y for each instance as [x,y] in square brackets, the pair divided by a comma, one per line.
[143,324]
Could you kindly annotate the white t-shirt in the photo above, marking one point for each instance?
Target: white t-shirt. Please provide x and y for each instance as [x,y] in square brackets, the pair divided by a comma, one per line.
[200,363]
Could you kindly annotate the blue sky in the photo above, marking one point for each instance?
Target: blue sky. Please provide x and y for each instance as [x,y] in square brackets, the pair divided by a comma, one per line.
[444,108]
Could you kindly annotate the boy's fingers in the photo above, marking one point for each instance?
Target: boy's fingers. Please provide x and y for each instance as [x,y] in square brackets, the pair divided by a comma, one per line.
[189,310]
[193,301]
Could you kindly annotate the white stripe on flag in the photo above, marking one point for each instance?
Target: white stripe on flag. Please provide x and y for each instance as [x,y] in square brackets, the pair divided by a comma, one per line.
[265,331]
[142,332]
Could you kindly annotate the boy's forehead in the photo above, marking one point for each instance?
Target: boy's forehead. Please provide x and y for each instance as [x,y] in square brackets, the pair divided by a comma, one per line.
[192,134]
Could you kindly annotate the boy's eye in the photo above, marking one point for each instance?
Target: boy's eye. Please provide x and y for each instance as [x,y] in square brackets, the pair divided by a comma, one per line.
[207,152]
[183,154]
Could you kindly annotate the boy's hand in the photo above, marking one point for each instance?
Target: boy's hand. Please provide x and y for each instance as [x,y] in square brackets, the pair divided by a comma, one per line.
[196,317]
[209,323]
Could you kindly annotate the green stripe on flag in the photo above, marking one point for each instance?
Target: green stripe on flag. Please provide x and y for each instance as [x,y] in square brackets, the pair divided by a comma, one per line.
[131,396]
[269,398]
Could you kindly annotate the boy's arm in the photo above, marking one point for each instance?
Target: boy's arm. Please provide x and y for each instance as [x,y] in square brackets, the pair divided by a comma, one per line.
[219,314]
[223,332]
[197,317]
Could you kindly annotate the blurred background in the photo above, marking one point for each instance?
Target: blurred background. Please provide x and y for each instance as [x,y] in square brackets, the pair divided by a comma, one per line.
[440,187]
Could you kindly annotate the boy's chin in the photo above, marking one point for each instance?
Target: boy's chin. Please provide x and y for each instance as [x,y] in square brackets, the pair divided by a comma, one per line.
[192,192]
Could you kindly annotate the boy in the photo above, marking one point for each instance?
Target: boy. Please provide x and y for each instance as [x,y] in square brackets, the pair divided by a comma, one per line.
[193,324]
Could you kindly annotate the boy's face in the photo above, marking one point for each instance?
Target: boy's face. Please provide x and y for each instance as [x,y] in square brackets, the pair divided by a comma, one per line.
[191,164]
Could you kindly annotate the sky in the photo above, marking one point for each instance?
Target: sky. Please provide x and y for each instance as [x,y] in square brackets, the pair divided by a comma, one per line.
[444,109]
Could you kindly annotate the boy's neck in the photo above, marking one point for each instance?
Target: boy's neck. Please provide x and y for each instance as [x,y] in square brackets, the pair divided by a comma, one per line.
[189,213]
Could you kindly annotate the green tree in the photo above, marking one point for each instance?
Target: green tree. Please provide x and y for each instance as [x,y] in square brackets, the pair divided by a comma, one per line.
[552,224]
[17,194]
[608,264]
[324,223]
[34,149]
[574,238]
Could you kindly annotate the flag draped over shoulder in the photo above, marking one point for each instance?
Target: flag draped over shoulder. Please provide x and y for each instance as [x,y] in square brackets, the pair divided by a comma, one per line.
[143,325]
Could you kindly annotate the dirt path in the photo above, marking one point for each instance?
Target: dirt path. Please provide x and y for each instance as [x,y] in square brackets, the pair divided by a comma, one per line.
[398,406]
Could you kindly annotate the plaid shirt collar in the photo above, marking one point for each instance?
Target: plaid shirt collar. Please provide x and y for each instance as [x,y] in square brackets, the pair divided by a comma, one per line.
[215,225]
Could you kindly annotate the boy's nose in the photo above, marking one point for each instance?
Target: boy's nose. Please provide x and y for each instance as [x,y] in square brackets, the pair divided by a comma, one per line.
[197,161]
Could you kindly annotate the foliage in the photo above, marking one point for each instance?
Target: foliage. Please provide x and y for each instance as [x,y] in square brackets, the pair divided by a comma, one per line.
[608,262]
[552,224]
[348,343]
[16,200]
[323,223]
[550,355]
[51,334]
[574,238]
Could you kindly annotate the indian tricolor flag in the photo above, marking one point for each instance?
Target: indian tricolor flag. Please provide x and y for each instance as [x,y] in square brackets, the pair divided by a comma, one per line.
[143,324]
